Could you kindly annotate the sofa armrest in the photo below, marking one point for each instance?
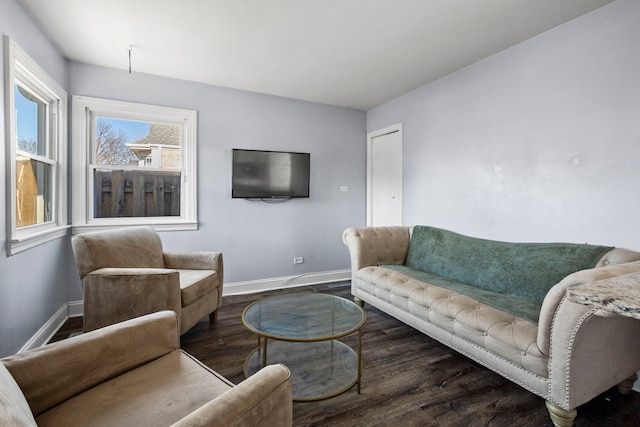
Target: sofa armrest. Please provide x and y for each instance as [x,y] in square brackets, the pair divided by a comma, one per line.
[113,295]
[376,245]
[556,294]
[589,353]
[618,256]
[263,399]
[52,374]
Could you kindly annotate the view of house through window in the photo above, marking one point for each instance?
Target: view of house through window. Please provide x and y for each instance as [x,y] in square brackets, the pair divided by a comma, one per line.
[137,168]
[34,184]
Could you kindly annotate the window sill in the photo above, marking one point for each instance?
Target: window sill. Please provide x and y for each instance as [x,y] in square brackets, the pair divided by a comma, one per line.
[23,243]
[158,226]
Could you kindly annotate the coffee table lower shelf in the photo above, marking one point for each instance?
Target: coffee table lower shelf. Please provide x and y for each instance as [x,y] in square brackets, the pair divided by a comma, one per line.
[319,370]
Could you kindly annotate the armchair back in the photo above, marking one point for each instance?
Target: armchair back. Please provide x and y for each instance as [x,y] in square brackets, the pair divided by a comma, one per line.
[135,247]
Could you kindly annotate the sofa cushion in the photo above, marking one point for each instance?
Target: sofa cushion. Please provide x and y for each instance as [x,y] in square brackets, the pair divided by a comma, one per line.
[194,284]
[510,303]
[14,409]
[160,392]
[527,270]
[509,336]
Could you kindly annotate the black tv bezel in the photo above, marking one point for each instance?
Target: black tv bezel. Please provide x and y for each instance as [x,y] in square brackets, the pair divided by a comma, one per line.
[271,197]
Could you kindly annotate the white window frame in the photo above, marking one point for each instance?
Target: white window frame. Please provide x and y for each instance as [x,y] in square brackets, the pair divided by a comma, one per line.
[21,67]
[84,111]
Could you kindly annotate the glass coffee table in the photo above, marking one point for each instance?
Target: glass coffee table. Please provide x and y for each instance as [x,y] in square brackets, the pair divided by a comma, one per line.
[302,331]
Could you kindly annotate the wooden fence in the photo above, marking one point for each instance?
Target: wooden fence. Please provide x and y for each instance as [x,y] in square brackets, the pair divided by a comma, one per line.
[136,193]
[32,207]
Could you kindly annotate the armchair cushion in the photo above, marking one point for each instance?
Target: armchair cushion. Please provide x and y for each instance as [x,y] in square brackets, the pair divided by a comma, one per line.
[194,284]
[167,389]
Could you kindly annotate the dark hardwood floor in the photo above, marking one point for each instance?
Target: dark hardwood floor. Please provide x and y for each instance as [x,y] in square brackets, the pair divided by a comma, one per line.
[408,380]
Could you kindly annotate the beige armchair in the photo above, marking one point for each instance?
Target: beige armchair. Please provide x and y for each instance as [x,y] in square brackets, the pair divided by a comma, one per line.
[134,374]
[126,274]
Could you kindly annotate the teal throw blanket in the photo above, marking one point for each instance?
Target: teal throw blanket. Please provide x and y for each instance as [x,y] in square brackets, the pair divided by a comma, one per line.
[511,273]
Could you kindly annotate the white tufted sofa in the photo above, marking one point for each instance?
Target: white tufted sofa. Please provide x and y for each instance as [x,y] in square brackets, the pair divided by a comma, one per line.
[570,355]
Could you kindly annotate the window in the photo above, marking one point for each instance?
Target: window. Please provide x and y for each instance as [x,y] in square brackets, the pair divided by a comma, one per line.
[36,135]
[135,164]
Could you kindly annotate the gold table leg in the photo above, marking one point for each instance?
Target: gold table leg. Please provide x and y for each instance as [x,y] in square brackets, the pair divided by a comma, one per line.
[264,352]
[359,359]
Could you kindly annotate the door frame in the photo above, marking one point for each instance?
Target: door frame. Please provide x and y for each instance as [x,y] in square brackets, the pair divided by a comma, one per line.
[370,136]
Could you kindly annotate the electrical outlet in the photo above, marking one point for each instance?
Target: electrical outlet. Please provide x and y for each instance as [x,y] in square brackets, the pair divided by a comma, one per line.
[298,260]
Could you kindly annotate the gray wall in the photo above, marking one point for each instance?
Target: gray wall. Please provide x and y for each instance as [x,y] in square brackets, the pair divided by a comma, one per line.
[540,142]
[258,240]
[33,284]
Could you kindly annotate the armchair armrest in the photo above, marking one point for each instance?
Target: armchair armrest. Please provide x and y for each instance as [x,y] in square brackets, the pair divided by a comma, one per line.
[194,260]
[112,295]
[263,399]
[55,372]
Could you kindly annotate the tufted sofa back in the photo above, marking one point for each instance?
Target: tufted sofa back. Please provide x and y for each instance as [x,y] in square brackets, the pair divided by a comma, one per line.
[135,247]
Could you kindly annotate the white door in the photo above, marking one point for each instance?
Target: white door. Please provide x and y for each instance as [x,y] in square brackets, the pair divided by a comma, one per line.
[384,176]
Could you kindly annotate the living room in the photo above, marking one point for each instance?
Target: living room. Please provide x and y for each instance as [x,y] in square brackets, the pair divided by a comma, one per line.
[535,143]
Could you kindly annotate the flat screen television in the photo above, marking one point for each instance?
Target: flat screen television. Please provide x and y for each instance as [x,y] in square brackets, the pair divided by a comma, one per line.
[260,174]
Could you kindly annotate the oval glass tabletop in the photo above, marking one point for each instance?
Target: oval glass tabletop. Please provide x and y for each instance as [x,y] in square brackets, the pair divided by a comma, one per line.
[304,317]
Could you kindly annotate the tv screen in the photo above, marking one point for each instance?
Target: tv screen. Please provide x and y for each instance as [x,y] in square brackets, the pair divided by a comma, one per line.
[269,174]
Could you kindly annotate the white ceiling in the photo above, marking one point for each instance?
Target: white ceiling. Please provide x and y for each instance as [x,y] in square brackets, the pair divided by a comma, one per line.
[352,53]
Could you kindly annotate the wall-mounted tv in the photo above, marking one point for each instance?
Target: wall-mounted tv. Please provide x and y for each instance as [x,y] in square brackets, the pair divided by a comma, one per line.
[260,174]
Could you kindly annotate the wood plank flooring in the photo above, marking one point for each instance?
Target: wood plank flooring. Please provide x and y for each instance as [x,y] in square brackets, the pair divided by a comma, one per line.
[408,379]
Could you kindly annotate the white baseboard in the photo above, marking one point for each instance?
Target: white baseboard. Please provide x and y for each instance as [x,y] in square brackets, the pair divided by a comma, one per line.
[76,308]
[48,330]
[254,286]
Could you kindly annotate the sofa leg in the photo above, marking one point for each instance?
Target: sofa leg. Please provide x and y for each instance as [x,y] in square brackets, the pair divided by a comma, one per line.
[213,317]
[358,301]
[625,386]
[559,416]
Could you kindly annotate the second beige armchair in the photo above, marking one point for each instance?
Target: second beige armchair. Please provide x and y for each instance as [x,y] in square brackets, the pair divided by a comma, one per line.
[134,374]
[125,274]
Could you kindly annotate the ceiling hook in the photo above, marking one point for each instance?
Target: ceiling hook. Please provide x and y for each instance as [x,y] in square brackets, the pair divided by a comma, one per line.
[130,49]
